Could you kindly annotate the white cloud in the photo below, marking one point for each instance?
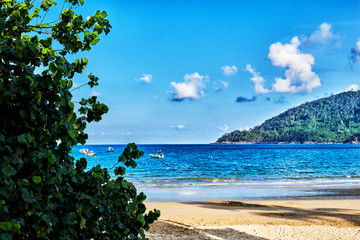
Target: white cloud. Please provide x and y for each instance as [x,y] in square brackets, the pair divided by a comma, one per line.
[147,78]
[257,80]
[355,53]
[96,94]
[224,86]
[322,34]
[180,127]
[352,87]
[299,76]
[229,70]
[224,127]
[191,88]
[357,46]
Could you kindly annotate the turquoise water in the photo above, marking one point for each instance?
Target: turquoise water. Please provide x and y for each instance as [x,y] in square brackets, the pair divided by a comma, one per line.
[202,172]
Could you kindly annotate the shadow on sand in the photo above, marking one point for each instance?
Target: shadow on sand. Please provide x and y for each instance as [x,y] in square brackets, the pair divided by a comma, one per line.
[329,216]
[175,231]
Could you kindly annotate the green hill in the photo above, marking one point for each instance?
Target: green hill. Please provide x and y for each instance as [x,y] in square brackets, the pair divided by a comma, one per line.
[334,119]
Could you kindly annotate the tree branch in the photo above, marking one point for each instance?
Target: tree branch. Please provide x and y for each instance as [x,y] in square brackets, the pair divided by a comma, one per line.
[79,87]
[19,10]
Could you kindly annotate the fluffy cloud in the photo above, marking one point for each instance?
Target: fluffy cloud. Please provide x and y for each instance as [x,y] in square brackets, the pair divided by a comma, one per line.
[322,34]
[355,53]
[191,88]
[257,80]
[229,70]
[244,99]
[147,78]
[352,87]
[180,127]
[224,127]
[96,94]
[223,87]
[299,76]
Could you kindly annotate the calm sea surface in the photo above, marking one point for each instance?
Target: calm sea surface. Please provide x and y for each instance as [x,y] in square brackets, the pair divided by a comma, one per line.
[203,172]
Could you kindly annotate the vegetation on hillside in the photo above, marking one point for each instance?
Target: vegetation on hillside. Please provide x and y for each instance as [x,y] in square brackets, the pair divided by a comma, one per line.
[334,119]
[43,193]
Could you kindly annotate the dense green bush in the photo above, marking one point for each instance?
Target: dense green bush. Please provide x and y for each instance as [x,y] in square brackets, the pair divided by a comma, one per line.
[43,194]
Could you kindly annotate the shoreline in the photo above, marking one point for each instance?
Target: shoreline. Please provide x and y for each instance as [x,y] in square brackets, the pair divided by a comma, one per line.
[257,220]
[284,143]
[252,193]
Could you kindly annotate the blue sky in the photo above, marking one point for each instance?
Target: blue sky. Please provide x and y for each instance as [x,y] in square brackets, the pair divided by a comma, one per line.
[190,71]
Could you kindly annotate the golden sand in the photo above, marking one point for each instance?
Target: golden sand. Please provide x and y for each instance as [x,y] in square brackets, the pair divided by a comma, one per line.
[259,220]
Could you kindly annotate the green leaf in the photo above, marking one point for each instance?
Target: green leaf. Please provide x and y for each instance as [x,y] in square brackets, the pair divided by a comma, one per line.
[69,219]
[36,179]
[119,171]
[17,227]
[95,41]
[44,5]
[8,171]
[124,184]
[71,105]
[6,236]
[38,96]
[26,195]
[140,218]
[103,14]
[72,133]
[6,226]
[52,159]
[82,223]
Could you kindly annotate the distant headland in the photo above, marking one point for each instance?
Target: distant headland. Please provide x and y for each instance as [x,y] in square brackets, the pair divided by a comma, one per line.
[330,120]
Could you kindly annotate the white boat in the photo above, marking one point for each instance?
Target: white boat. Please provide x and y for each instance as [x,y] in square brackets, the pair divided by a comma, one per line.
[87,152]
[83,150]
[110,149]
[157,155]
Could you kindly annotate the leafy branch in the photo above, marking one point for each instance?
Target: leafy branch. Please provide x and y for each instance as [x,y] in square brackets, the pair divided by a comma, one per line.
[44,192]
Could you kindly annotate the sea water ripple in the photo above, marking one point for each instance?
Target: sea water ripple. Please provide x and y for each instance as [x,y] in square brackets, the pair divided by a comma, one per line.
[210,165]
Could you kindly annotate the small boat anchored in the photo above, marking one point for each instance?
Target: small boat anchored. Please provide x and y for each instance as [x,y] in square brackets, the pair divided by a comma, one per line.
[83,150]
[110,149]
[87,152]
[158,154]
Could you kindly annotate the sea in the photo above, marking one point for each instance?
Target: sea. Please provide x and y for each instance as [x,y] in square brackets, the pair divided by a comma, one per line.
[238,172]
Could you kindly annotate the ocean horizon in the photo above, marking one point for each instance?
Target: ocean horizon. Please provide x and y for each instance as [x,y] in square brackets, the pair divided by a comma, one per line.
[197,172]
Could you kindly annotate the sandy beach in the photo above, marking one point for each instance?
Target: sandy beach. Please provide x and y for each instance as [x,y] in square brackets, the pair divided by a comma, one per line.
[258,220]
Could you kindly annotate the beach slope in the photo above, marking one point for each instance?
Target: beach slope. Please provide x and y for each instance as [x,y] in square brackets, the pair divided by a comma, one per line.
[298,219]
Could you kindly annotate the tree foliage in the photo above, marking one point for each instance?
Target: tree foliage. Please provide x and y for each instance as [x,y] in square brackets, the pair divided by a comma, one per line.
[43,194]
[334,119]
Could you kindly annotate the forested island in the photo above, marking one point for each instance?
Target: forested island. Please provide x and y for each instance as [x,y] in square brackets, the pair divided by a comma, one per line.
[334,119]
